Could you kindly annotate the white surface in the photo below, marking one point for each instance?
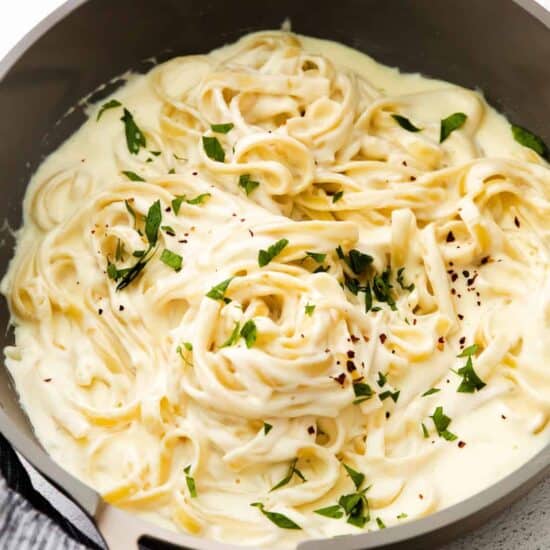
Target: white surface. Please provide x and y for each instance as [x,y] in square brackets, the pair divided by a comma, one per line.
[525,525]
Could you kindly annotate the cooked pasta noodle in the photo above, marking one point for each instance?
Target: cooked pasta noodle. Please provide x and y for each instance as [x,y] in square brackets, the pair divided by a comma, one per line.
[253,288]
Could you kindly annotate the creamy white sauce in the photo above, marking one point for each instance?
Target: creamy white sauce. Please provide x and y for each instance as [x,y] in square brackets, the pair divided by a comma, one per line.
[118,400]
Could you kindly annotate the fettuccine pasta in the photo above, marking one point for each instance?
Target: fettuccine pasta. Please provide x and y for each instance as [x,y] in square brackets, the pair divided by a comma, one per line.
[281,291]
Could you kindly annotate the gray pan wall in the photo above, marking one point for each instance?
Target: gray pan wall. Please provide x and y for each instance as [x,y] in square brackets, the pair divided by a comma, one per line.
[493,45]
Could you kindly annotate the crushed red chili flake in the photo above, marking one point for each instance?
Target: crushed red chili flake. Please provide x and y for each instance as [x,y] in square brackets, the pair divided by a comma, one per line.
[387,414]
[485,259]
[195,173]
[383,338]
[450,237]
[441,339]
[472,280]
[454,277]
[354,338]
[168,209]
[100,311]
[461,444]
[503,417]
[466,273]
[453,291]
[341,378]
[516,221]
[413,178]
[311,430]
[420,496]
[350,365]
[478,303]
[47,379]
[460,316]
[121,308]
[350,353]
[462,340]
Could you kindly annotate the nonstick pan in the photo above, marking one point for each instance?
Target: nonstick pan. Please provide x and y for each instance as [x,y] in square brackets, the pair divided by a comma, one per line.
[498,46]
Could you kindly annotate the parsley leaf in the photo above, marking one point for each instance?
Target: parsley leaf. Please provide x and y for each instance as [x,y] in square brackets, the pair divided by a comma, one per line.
[218,292]
[267,428]
[441,423]
[401,280]
[319,257]
[213,148]
[222,128]
[362,392]
[337,196]
[430,392]
[471,382]
[249,333]
[171,259]
[382,379]
[469,351]
[134,136]
[279,520]
[131,212]
[119,252]
[357,261]
[310,308]
[291,471]
[394,395]
[405,123]
[234,336]
[380,523]
[199,199]
[127,275]
[152,223]
[355,476]
[132,175]
[381,287]
[450,124]
[265,256]
[402,515]
[190,483]
[111,104]
[528,139]
[368,298]
[356,507]
[247,184]
[334,512]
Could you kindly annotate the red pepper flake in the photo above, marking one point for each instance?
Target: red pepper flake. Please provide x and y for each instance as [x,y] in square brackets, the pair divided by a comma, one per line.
[387,414]
[350,353]
[383,338]
[460,316]
[462,341]
[503,417]
[485,259]
[404,163]
[461,444]
[311,430]
[453,291]
[413,178]
[420,496]
[350,365]
[478,303]
[450,237]
[516,222]
[195,173]
[466,273]
[121,308]
[47,379]
[100,311]
[168,209]
[341,378]
[454,277]
[414,321]
[472,280]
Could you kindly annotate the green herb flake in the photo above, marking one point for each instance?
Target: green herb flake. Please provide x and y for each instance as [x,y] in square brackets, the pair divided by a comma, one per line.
[188,346]
[368,298]
[132,175]
[431,391]
[265,256]
[176,204]
[222,128]
[247,184]
[190,482]
[249,333]
[112,271]
[355,476]
[199,199]
[169,230]
[292,470]
[119,252]
[469,351]
[334,512]
[267,428]
[382,288]
[401,280]
[356,507]
[233,337]
[362,392]
[171,259]
[532,141]
[450,124]
[471,382]
[310,308]
[425,431]
[111,104]
[131,211]
[213,148]
[385,394]
[402,515]
[172,171]
[441,423]
[138,253]
[218,292]
[152,223]
[134,136]
[405,123]
[337,196]
[380,523]
[279,520]
[319,257]
[382,379]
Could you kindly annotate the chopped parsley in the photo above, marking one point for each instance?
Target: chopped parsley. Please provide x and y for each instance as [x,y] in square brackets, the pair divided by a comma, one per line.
[380,523]
[190,482]
[319,257]
[337,196]
[355,476]
[152,223]
[134,136]
[394,395]
[362,392]
[310,308]
[334,512]
[279,520]
[218,292]
[450,124]
[111,104]
[213,148]
[368,298]
[528,139]
[249,333]
[402,515]
[381,287]
[171,259]
[132,175]
[188,346]
[401,280]
[471,382]
[292,470]
[425,431]
[430,392]
[222,128]
[265,256]
[131,212]
[119,252]
[247,184]
[199,199]
[469,351]
[267,428]
[357,261]
[405,123]
[233,337]
[382,379]
[441,422]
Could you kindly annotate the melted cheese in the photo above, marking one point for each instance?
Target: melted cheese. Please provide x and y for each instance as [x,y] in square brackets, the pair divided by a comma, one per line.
[137,390]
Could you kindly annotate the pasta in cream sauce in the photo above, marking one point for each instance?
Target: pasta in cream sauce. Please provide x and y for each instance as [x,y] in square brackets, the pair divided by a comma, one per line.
[281,290]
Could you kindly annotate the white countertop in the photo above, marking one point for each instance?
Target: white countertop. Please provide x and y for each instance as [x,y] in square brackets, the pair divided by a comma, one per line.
[524,526]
